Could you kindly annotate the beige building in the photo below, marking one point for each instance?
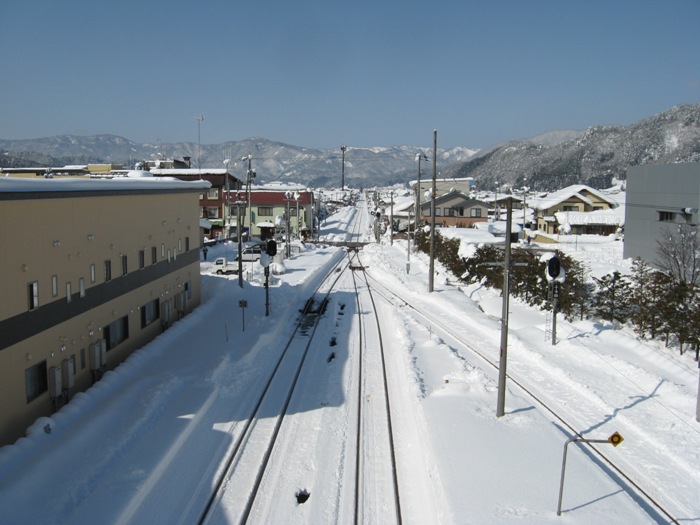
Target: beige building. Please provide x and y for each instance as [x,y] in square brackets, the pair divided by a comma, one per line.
[455,209]
[92,269]
[581,208]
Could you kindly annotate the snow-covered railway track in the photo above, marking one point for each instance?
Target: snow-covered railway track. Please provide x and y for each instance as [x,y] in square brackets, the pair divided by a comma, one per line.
[376,485]
[234,491]
[441,328]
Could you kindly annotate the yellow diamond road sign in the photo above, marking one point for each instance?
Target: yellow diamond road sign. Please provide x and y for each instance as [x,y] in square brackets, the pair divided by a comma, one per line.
[616,439]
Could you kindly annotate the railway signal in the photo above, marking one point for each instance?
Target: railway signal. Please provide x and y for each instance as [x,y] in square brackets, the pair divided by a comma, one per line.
[555,275]
[614,440]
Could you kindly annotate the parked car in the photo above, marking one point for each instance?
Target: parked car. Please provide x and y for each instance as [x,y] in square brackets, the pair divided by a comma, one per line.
[251,253]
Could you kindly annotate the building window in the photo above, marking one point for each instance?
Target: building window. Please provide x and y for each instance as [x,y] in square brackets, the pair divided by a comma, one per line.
[35,381]
[142,259]
[81,286]
[475,212]
[201,196]
[108,270]
[154,255]
[54,285]
[449,212]
[125,265]
[187,244]
[116,332]
[149,313]
[265,211]
[69,292]
[93,273]
[34,295]
[212,213]
[162,251]
[667,216]
[569,208]
[213,193]
[179,245]
[438,211]
[82,358]
[201,212]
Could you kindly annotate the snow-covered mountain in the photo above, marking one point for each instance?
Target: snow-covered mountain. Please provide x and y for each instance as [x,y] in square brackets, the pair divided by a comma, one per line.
[595,156]
[271,160]
[552,160]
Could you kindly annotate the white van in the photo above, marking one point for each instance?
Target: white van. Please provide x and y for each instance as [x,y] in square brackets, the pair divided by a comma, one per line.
[252,253]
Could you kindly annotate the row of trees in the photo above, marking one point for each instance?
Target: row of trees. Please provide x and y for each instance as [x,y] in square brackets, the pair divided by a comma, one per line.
[657,303]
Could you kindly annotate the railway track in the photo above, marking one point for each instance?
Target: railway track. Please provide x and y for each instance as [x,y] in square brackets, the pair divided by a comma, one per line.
[431,321]
[373,411]
[273,455]
[235,490]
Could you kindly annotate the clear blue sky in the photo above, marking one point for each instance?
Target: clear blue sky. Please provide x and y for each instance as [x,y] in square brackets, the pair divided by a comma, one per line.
[321,73]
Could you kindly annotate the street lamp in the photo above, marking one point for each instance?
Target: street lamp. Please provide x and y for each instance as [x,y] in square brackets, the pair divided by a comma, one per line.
[419,157]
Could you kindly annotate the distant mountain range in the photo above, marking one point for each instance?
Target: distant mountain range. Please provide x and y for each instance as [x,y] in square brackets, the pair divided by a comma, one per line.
[549,161]
[594,157]
[272,161]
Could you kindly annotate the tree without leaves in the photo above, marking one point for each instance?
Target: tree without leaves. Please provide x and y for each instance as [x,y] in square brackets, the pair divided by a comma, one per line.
[678,253]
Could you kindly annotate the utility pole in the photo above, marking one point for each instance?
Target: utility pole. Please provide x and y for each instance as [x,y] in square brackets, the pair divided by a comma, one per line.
[524,202]
[408,243]
[250,174]
[227,210]
[288,197]
[431,276]
[391,220]
[419,157]
[239,234]
[500,409]
[697,403]
[200,119]
[342,175]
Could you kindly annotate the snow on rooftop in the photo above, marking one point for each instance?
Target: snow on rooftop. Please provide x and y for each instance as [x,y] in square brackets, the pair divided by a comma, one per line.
[556,197]
[130,182]
[615,217]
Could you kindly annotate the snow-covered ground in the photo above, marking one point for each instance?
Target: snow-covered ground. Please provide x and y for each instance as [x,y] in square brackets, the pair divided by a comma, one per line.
[142,445]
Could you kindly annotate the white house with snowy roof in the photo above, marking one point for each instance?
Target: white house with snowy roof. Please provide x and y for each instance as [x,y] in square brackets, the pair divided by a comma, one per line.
[578,209]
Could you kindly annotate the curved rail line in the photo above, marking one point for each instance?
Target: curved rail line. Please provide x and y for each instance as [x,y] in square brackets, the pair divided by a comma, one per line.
[637,487]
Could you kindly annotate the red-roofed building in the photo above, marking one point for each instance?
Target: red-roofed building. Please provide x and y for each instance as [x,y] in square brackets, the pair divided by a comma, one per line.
[270,206]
